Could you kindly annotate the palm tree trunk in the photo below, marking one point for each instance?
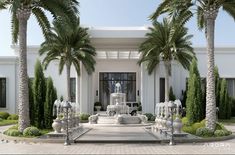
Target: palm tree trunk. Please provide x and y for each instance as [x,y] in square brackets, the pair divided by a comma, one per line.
[23,103]
[210,17]
[68,81]
[167,69]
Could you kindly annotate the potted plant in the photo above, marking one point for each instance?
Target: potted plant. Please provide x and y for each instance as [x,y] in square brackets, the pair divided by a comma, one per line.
[97,106]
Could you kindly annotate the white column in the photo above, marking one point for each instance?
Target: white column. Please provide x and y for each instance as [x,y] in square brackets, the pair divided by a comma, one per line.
[147,90]
[77,93]
[86,93]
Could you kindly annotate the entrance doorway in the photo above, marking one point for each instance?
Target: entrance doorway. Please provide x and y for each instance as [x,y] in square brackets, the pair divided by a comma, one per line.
[107,85]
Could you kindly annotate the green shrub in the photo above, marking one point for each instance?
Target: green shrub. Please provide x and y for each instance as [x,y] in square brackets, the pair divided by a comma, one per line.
[31,131]
[97,104]
[204,132]
[148,115]
[220,133]
[12,132]
[188,129]
[1,119]
[153,118]
[4,115]
[220,126]
[139,108]
[14,127]
[84,116]
[185,121]
[13,117]
[203,122]
[197,125]
[191,128]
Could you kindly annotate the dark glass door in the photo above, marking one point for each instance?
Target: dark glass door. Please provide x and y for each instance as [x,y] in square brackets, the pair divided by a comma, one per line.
[107,86]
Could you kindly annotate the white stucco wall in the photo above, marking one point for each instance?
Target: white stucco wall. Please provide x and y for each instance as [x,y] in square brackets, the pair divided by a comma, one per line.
[114,39]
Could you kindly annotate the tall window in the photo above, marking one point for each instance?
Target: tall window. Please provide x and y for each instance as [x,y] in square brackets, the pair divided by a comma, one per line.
[73,89]
[162,89]
[2,92]
[107,86]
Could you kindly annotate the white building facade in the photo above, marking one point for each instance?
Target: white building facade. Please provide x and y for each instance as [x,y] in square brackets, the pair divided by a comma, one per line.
[116,61]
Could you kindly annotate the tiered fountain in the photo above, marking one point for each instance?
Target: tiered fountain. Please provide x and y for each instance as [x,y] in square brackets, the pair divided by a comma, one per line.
[118,112]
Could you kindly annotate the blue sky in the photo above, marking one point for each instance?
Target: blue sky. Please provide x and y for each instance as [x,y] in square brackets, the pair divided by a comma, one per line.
[118,13]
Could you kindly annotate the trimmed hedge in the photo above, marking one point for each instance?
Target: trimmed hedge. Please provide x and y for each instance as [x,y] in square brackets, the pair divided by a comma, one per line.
[84,116]
[4,115]
[12,132]
[13,117]
[31,131]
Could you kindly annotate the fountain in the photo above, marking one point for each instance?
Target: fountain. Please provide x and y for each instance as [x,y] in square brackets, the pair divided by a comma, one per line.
[118,112]
[117,102]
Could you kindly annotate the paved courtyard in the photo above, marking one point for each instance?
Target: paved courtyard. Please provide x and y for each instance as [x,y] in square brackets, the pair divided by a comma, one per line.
[223,147]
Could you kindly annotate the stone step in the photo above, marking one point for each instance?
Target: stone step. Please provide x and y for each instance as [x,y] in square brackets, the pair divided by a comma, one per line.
[106,120]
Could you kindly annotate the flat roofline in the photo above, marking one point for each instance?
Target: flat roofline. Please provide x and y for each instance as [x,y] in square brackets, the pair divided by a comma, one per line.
[124,28]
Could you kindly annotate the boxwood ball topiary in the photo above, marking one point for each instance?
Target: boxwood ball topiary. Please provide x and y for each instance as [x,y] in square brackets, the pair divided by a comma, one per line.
[31,131]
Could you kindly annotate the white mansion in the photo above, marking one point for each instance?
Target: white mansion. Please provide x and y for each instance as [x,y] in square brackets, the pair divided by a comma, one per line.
[116,61]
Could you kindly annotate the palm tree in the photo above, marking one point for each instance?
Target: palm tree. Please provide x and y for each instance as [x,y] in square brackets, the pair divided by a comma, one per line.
[70,44]
[20,13]
[166,42]
[206,11]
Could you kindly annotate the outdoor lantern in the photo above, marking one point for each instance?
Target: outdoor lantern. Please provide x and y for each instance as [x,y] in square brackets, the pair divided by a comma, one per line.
[66,107]
[171,107]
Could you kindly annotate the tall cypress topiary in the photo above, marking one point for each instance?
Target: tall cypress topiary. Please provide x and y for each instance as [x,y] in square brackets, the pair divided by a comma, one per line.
[217,86]
[31,104]
[48,106]
[39,90]
[224,104]
[194,105]
[171,95]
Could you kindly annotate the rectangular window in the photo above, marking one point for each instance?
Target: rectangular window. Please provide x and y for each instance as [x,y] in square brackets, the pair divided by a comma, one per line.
[73,89]
[107,86]
[162,89]
[2,92]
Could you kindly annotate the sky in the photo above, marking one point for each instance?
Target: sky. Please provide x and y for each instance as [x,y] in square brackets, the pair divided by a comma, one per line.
[118,13]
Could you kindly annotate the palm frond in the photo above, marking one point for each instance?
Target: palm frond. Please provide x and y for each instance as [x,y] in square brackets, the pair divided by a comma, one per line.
[161,9]
[14,28]
[229,7]
[200,18]
[4,4]
[42,20]
[166,41]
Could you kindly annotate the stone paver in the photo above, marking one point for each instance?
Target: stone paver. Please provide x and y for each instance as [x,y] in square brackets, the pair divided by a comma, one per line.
[117,134]
[225,147]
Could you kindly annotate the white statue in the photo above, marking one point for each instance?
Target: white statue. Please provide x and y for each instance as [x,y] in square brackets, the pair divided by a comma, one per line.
[117,87]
